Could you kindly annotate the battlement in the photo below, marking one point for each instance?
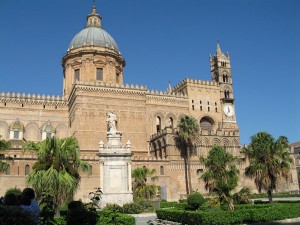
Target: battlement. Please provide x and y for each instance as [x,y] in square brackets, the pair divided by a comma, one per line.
[24,96]
[103,84]
[187,81]
[131,87]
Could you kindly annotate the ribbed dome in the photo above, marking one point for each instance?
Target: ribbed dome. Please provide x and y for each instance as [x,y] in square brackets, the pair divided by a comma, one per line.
[93,36]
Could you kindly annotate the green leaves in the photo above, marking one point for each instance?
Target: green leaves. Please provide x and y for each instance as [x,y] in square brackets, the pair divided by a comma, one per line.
[141,189]
[57,168]
[268,160]
[221,175]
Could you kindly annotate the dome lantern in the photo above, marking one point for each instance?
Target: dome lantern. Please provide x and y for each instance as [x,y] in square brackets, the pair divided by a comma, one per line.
[94,19]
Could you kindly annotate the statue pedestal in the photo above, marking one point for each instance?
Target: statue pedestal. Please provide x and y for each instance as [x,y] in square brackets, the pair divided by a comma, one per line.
[115,170]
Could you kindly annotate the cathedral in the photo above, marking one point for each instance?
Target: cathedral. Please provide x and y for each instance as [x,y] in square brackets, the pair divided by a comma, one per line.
[93,87]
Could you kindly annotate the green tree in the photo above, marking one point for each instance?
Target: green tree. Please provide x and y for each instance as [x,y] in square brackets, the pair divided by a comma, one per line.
[57,168]
[141,189]
[4,160]
[188,130]
[269,159]
[221,175]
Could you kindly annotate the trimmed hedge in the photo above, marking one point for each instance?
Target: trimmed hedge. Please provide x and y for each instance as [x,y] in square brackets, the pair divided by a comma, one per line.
[110,217]
[175,205]
[243,215]
[274,195]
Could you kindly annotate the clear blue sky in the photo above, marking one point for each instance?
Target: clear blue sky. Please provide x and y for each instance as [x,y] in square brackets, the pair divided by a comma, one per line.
[168,40]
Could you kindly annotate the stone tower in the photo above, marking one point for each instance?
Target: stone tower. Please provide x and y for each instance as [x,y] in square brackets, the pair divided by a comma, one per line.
[221,73]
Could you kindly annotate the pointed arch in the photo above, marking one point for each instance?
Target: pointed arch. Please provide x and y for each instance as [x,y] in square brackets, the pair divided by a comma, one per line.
[216,141]
[3,130]
[158,118]
[32,132]
[16,130]
[61,130]
[47,130]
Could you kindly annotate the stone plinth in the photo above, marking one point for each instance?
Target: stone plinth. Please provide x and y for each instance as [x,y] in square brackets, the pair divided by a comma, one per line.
[115,171]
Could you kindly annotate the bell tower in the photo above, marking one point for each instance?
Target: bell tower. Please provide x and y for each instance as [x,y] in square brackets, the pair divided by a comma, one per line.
[221,73]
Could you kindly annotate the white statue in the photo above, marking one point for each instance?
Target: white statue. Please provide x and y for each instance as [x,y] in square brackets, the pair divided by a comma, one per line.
[111,122]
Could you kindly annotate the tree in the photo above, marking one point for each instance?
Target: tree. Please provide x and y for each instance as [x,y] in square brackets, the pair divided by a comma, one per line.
[188,130]
[269,159]
[4,160]
[57,168]
[140,187]
[221,175]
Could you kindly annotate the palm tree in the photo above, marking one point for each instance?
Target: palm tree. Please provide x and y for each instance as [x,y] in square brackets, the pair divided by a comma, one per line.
[188,131]
[4,145]
[269,159]
[57,168]
[140,187]
[221,175]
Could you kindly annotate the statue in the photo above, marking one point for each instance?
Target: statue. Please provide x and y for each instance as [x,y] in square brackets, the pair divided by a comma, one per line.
[111,122]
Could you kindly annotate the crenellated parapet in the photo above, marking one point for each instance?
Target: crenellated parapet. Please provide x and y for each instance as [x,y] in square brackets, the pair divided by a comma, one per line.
[187,81]
[32,99]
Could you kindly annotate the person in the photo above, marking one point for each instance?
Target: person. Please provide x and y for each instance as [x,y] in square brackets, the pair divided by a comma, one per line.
[29,205]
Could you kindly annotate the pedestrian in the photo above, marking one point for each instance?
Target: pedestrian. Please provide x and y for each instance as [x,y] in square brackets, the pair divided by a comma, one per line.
[29,205]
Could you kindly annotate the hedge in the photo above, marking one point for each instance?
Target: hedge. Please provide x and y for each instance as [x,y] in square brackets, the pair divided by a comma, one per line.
[243,215]
[110,217]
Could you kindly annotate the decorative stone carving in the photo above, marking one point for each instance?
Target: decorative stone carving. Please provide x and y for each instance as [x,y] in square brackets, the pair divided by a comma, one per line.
[111,122]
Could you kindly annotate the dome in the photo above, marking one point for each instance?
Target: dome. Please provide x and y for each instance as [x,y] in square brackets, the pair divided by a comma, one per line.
[93,35]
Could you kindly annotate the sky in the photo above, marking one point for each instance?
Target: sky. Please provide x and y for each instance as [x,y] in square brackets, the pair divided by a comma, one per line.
[166,41]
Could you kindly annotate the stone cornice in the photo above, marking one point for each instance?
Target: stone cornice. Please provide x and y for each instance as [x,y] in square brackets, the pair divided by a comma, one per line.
[92,50]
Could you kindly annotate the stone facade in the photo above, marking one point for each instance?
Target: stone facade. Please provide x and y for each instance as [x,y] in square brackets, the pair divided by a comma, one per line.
[93,86]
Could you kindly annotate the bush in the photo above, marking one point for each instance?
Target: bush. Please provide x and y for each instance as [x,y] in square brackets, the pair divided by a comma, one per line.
[244,214]
[16,191]
[13,215]
[109,217]
[132,208]
[77,214]
[146,205]
[113,207]
[194,200]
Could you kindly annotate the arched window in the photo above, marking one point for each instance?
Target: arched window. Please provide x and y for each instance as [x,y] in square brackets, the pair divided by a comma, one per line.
[47,131]
[7,172]
[161,170]
[16,130]
[226,94]
[158,124]
[170,122]
[27,169]
[206,123]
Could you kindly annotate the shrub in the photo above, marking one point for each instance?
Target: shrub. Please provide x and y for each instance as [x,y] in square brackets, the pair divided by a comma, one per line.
[16,191]
[77,214]
[13,215]
[194,200]
[109,217]
[246,214]
[132,208]
[146,205]
[113,207]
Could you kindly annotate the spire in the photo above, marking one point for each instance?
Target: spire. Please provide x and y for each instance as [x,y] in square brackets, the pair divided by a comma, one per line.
[94,19]
[169,90]
[219,52]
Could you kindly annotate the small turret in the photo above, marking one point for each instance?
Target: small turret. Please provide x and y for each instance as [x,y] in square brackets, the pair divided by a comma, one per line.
[94,19]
